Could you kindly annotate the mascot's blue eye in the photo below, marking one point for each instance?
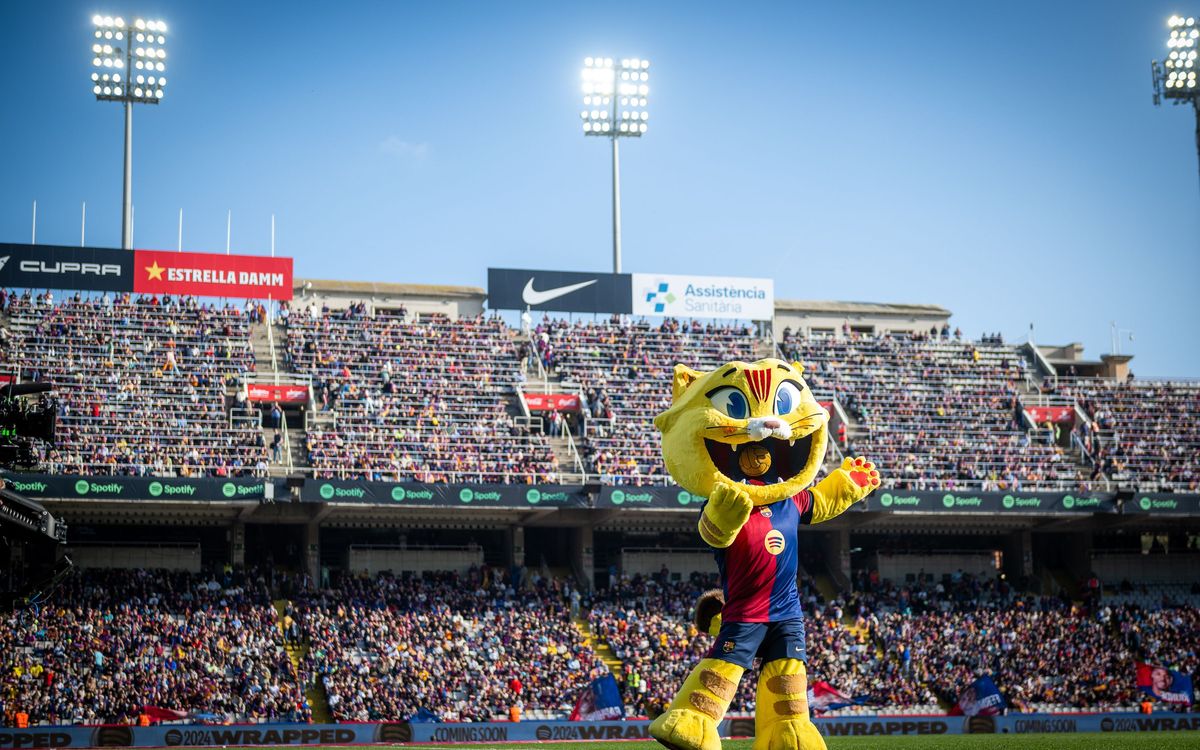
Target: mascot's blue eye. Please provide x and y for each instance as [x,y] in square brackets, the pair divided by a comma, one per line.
[787,398]
[731,402]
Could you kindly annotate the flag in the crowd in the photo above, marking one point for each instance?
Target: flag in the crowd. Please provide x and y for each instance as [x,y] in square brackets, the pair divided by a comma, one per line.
[825,697]
[423,716]
[981,698]
[164,714]
[1165,684]
[599,700]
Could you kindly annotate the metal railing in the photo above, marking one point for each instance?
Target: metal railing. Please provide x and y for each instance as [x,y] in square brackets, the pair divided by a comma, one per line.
[574,453]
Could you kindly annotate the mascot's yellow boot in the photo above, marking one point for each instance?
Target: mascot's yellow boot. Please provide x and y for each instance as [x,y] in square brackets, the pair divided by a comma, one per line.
[781,719]
[691,721]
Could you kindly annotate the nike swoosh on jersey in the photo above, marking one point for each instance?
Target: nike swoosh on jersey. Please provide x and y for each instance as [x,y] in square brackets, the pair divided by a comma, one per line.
[531,296]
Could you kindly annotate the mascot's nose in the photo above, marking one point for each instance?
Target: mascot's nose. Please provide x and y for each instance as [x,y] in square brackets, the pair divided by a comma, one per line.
[772,424]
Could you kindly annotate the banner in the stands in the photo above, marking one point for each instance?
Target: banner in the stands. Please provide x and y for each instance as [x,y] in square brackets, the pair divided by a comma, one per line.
[212,275]
[457,495]
[283,394]
[629,497]
[145,271]
[73,487]
[1163,503]
[1015,503]
[665,498]
[59,267]
[552,401]
[703,296]
[560,291]
[457,733]
[1043,414]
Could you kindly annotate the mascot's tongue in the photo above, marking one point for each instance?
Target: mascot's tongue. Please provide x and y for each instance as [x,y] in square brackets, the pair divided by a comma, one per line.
[756,482]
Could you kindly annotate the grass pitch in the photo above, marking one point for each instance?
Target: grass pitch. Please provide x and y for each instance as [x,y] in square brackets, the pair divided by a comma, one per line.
[1116,741]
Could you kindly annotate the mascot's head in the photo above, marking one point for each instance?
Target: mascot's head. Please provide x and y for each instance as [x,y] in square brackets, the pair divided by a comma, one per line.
[751,423]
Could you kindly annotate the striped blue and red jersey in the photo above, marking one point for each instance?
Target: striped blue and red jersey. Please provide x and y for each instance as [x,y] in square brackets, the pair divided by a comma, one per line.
[758,571]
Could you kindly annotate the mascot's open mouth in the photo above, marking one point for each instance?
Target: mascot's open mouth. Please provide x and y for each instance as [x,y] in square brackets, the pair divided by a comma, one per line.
[768,461]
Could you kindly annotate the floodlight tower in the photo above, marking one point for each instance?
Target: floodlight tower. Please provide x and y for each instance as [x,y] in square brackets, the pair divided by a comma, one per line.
[128,62]
[1175,77]
[614,100]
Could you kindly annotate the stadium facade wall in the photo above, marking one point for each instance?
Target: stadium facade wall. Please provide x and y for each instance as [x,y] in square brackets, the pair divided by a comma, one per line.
[149,556]
[375,559]
[528,731]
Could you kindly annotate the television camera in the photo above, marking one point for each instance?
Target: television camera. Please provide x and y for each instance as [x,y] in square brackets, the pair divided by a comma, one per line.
[30,536]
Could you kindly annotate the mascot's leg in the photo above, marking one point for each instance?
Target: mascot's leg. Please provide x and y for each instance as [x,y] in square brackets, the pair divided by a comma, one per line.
[781,716]
[691,721]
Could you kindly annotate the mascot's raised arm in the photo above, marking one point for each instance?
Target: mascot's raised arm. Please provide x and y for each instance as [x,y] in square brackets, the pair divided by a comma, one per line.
[750,437]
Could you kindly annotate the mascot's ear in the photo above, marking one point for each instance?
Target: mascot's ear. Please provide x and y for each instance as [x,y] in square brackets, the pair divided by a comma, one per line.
[684,377]
[799,367]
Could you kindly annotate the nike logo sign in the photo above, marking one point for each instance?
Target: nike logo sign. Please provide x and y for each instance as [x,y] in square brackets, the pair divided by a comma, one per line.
[531,296]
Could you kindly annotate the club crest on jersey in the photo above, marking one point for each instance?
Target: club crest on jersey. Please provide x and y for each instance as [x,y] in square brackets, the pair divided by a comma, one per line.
[728,647]
[774,541]
[765,512]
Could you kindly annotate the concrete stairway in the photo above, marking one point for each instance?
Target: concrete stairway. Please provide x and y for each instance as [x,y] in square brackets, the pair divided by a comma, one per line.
[318,701]
[602,649]
[261,343]
[765,349]
[825,585]
[567,471]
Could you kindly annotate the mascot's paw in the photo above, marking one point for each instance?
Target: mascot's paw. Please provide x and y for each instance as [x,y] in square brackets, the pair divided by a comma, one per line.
[730,505]
[790,734]
[862,473]
[684,729]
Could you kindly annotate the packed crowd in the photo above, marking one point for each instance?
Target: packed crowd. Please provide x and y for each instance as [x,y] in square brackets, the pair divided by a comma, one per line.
[111,643]
[934,413]
[141,382]
[625,368]
[912,648]
[414,400]
[492,644]
[646,621]
[463,648]
[1146,434]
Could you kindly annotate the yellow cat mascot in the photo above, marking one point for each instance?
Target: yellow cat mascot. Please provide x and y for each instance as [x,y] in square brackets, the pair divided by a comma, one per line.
[750,437]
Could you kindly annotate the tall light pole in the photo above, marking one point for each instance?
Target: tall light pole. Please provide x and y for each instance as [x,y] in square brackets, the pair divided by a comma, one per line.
[128,62]
[1175,77]
[614,100]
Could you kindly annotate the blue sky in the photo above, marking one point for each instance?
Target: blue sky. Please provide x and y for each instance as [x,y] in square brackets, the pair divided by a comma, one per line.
[1002,159]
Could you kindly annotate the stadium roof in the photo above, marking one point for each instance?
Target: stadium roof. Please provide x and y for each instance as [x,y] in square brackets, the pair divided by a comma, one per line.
[384,289]
[858,308]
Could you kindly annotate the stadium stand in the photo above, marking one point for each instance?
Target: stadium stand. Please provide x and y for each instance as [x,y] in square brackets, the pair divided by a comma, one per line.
[472,647]
[1146,433]
[141,380]
[932,412]
[414,400]
[432,399]
[466,648]
[114,642]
